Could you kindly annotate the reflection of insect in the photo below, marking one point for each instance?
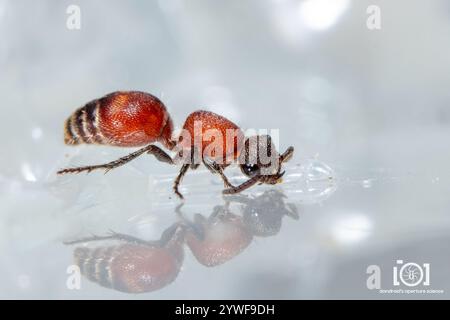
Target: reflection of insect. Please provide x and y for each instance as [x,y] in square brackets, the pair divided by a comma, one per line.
[224,234]
[133,119]
[134,265]
[218,238]
[263,214]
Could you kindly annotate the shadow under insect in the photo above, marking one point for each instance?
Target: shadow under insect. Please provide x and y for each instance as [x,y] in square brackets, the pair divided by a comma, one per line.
[134,265]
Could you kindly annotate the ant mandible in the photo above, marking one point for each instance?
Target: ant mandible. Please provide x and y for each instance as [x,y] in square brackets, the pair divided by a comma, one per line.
[135,119]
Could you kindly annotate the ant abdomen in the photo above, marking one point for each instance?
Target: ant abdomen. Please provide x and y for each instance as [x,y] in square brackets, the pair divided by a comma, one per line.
[121,118]
[131,268]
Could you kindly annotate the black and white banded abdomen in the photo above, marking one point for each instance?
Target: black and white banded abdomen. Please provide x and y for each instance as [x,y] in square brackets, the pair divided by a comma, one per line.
[83,126]
[128,268]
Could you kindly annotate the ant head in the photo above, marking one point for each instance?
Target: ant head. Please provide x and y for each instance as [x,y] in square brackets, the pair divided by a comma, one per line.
[260,159]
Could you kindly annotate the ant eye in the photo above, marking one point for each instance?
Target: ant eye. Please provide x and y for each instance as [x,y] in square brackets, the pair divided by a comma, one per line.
[250,170]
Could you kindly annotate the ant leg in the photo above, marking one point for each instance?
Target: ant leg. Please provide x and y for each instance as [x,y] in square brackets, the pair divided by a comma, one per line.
[87,239]
[112,236]
[287,155]
[131,239]
[178,179]
[215,168]
[168,234]
[160,154]
[196,227]
[225,179]
[192,164]
[240,199]
[157,152]
[292,211]
[212,167]
[245,185]
[195,159]
[178,209]
[220,212]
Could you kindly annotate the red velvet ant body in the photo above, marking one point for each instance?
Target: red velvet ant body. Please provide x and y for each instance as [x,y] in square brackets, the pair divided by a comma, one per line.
[135,119]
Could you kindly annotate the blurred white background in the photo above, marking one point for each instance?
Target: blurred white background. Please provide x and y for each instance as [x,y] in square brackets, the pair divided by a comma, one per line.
[373,105]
